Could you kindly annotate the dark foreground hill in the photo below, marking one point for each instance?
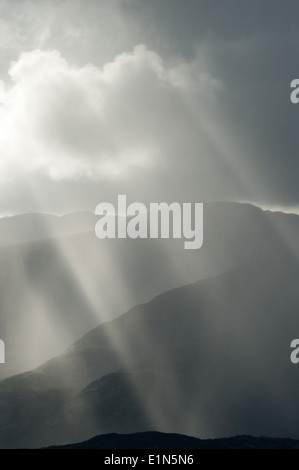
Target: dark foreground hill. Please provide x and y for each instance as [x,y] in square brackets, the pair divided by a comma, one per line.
[158,440]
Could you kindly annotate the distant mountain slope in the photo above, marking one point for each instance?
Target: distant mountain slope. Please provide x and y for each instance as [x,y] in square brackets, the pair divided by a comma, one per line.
[53,291]
[25,228]
[207,359]
[158,440]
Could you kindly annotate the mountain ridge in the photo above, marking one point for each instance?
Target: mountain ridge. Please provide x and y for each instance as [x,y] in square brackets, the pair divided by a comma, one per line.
[208,358]
[157,440]
[62,286]
[124,381]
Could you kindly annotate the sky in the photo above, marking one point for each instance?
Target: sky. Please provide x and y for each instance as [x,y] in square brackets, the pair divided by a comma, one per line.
[163,100]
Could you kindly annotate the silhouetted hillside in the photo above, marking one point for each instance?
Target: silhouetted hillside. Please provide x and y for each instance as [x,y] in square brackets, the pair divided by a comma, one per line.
[158,440]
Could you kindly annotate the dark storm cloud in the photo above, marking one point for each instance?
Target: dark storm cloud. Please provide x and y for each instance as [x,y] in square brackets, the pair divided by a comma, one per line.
[252,48]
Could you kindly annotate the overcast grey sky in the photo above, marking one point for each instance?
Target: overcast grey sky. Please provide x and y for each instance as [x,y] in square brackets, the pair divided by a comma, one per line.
[161,99]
